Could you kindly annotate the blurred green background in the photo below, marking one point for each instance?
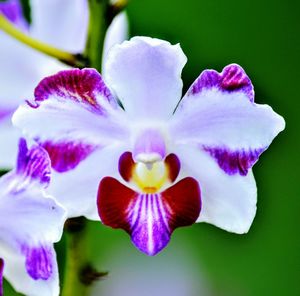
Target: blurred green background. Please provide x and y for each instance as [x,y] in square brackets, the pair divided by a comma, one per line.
[263,37]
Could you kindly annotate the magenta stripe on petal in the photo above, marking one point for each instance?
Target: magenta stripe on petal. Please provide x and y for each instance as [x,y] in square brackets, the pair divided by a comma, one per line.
[81,86]
[232,79]
[33,163]
[39,262]
[1,276]
[235,162]
[66,156]
[149,218]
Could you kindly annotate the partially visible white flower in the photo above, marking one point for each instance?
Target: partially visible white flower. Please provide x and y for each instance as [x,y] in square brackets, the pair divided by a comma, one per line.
[30,222]
[116,33]
[62,24]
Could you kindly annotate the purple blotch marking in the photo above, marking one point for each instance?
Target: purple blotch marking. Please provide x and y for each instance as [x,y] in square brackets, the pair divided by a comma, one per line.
[82,86]
[66,156]
[233,78]
[235,162]
[39,262]
[33,163]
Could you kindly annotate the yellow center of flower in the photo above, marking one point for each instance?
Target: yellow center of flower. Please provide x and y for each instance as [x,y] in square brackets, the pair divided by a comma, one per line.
[150,177]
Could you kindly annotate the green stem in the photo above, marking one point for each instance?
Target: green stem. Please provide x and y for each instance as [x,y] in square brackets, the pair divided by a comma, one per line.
[66,57]
[76,258]
[98,24]
[79,272]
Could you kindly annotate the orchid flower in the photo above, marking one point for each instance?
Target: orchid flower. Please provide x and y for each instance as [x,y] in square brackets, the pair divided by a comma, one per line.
[30,222]
[162,162]
[62,24]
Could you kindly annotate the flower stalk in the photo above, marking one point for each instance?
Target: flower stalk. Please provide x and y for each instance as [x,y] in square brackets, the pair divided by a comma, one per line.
[74,60]
[79,273]
[98,25]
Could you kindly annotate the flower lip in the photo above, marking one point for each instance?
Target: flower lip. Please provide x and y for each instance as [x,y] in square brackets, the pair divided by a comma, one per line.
[149,218]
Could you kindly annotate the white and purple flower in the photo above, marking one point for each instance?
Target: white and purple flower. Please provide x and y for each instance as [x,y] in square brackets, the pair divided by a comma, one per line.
[162,162]
[62,24]
[30,222]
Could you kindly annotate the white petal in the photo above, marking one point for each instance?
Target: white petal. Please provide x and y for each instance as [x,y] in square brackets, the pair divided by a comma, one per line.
[226,119]
[29,215]
[228,202]
[60,23]
[77,189]
[29,219]
[116,33]
[15,272]
[145,74]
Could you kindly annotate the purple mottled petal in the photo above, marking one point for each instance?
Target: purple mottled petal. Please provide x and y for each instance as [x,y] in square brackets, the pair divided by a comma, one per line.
[1,276]
[149,146]
[72,115]
[225,119]
[12,10]
[33,163]
[39,262]
[81,86]
[234,162]
[232,79]
[149,218]
[66,155]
